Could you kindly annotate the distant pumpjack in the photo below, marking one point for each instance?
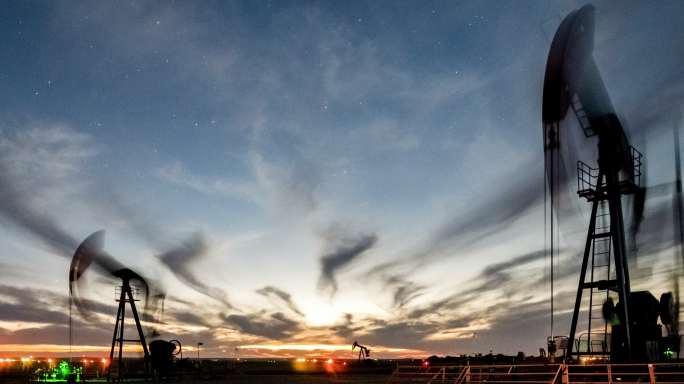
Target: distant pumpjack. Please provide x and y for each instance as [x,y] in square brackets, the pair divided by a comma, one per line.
[364,352]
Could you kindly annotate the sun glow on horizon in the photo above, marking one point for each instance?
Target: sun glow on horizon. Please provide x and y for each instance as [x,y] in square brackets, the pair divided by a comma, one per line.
[61,348]
[326,348]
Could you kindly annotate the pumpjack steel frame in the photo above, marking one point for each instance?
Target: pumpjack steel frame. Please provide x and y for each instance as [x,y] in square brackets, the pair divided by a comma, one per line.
[125,296]
[608,187]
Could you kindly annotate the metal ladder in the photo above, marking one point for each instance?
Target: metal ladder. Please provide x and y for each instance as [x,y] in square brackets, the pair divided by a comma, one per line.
[600,272]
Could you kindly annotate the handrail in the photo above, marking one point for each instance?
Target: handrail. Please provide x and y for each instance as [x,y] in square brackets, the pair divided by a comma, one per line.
[441,371]
[588,338]
[555,377]
[542,373]
[461,376]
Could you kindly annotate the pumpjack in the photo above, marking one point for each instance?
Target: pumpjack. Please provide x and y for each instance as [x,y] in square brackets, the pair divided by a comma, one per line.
[91,252]
[630,329]
[364,352]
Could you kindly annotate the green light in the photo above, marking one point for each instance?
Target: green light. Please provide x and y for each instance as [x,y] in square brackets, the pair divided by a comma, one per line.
[61,373]
[669,353]
[64,368]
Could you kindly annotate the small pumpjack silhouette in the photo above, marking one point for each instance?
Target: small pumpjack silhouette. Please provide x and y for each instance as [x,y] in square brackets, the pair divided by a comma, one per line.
[364,352]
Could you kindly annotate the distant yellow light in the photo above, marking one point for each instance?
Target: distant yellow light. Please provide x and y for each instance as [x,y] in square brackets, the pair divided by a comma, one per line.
[315,360]
[330,361]
[104,361]
[49,360]
[301,360]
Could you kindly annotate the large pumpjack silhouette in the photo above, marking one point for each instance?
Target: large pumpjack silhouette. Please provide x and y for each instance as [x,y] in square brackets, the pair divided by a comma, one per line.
[573,81]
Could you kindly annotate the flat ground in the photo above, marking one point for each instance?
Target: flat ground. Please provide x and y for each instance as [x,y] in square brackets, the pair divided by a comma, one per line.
[302,379]
[265,379]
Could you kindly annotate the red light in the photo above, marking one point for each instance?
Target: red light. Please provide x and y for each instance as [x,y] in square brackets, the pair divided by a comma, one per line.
[426,363]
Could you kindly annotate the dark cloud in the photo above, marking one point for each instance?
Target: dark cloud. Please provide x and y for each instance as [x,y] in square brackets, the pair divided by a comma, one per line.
[510,304]
[51,310]
[658,228]
[400,334]
[528,320]
[347,329]
[435,306]
[493,278]
[343,249]
[38,224]
[26,297]
[404,291]
[17,161]
[499,268]
[189,316]
[270,291]
[453,333]
[27,312]
[179,261]
[275,326]
[494,214]
[57,334]
[491,215]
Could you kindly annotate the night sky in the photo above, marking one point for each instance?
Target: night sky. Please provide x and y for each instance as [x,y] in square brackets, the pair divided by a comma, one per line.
[297,176]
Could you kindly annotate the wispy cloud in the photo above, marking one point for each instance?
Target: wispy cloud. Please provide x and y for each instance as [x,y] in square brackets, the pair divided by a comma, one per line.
[404,290]
[274,326]
[274,292]
[177,173]
[288,188]
[342,248]
[37,167]
[180,260]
